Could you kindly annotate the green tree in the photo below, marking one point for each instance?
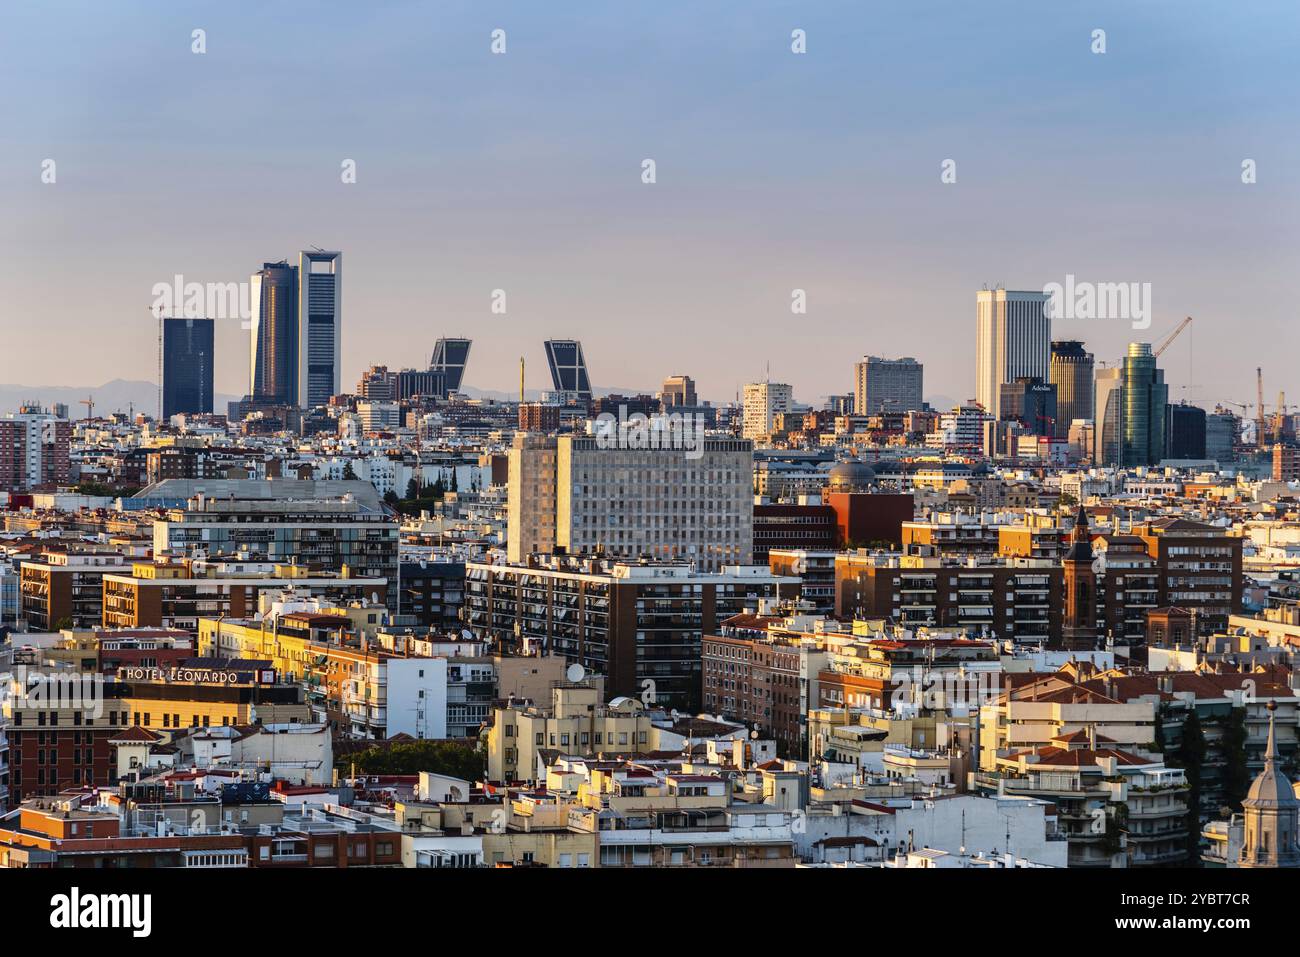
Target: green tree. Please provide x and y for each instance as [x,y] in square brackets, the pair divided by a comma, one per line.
[438,757]
[349,474]
[1236,773]
[1190,756]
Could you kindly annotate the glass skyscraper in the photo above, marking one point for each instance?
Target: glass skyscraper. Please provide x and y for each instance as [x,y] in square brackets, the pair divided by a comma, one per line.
[1145,397]
[187,366]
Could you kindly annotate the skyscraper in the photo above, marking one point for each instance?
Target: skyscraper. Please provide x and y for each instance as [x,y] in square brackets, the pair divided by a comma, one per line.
[187,366]
[1013,338]
[678,390]
[887,385]
[450,357]
[1185,431]
[320,326]
[1072,372]
[763,401]
[1145,399]
[1108,424]
[273,374]
[568,369]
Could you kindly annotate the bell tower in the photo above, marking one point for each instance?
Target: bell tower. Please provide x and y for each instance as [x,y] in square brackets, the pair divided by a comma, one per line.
[1079,630]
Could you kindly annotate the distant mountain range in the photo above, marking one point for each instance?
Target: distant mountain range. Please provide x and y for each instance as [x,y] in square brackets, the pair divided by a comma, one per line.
[119,395]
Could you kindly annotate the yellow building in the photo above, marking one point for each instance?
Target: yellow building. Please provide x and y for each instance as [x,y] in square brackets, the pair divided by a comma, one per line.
[576,723]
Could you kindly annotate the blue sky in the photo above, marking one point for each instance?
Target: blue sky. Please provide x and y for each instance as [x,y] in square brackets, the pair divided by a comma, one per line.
[775,172]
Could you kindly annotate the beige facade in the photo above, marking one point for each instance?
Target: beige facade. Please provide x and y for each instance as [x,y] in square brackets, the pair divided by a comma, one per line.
[574,723]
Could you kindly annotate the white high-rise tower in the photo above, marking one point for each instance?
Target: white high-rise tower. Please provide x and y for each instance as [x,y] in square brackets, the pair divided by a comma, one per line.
[1013,339]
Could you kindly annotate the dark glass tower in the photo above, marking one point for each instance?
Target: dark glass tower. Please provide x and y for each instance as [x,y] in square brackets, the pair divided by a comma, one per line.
[450,357]
[274,374]
[568,367]
[187,366]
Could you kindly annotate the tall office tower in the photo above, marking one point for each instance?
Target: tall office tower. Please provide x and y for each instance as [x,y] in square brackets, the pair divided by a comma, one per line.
[763,402]
[1145,399]
[34,450]
[320,326]
[1031,402]
[569,492]
[273,375]
[1072,372]
[1220,436]
[1185,431]
[1108,422]
[450,357]
[568,369]
[1013,338]
[679,390]
[187,366]
[886,385]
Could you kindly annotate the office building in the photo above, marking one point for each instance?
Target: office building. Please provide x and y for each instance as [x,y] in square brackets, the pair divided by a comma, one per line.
[450,357]
[763,402]
[1185,432]
[1220,436]
[273,376]
[1108,426]
[187,366]
[1072,371]
[1031,402]
[320,326]
[678,390]
[1145,398]
[1013,339]
[569,379]
[1286,463]
[887,385]
[568,493]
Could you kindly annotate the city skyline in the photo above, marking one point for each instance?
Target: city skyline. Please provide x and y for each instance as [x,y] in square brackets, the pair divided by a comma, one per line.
[527,178]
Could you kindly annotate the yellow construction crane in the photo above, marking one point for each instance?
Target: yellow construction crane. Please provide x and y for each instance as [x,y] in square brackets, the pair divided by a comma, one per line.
[89,403]
[1169,340]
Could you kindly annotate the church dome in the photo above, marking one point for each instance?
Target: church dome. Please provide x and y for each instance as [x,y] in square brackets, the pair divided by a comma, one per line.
[851,477]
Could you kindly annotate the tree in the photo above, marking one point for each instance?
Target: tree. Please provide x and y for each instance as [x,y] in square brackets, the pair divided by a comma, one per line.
[1236,774]
[455,482]
[439,757]
[1190,756]
[349,474]
[412,489]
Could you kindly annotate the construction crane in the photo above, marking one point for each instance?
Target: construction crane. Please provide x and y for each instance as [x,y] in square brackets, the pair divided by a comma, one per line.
[1260,424]
[1169,340]
[89,403]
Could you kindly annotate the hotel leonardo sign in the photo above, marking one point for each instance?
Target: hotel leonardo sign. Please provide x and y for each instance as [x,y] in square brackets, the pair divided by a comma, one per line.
[198,676]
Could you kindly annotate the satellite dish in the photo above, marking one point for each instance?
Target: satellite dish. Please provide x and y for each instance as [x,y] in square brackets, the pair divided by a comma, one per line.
[575,673]
[1099,564]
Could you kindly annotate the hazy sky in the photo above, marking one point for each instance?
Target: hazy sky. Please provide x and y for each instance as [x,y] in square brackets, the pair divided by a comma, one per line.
[775,171]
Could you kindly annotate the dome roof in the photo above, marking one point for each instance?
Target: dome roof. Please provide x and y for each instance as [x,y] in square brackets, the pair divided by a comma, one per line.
[1272,789]
[851,475]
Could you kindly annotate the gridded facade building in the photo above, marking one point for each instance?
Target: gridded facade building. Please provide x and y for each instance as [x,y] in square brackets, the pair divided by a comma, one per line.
[640,626]
[887,385]
[568,493]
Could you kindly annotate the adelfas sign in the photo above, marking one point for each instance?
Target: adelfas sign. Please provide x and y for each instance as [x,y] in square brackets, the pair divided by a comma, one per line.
[197,676]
